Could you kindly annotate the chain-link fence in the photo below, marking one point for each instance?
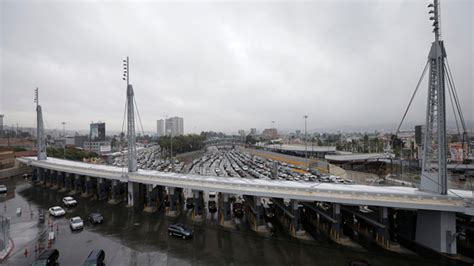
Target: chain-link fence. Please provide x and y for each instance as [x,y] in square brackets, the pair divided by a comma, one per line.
[4,233]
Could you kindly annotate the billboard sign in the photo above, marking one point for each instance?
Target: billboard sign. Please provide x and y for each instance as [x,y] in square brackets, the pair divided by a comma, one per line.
[456,151]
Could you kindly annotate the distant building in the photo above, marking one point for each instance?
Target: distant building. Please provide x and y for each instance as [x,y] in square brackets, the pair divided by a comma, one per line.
[419,134]
[80,140]
[270,133]
[297,133]
[174,126]
[253,131]
[97,132]
[98,146]
[160,128]
[241,133]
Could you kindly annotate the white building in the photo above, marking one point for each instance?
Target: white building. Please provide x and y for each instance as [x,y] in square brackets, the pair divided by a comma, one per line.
[160,128]
[174,126]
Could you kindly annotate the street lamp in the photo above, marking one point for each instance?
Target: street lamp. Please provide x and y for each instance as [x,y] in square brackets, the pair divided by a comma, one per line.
[305,144]
[64,136]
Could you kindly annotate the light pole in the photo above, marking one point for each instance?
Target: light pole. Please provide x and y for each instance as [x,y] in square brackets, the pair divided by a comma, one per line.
[64,136]
[273,127]
[305,144]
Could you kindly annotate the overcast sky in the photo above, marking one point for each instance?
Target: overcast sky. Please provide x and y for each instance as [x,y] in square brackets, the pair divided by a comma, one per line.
[227,66]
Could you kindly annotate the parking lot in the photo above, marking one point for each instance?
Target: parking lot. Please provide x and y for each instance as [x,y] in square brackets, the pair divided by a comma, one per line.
[230,161]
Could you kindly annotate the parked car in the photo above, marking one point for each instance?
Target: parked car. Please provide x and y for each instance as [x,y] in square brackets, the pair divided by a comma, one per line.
[96,218]
[3,189]
[69,201]
[180,230]
[96,258]
[47,258]
[76,223]
[56,211]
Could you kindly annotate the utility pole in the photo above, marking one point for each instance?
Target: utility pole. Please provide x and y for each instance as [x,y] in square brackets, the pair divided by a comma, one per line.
[305,144]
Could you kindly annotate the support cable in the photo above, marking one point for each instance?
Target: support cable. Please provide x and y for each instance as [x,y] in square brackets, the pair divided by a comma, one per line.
[455,94]
[121,144]
[454,112]
[139,118]
[412,97]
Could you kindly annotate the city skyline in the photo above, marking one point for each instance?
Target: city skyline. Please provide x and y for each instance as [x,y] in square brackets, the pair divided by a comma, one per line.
[273,81]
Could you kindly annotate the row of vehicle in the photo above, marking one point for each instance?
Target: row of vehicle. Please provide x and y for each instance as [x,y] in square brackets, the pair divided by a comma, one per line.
[151,159]
[75,223]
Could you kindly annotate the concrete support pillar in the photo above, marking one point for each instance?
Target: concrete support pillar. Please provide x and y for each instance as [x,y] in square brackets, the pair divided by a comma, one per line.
[53,179]
[255,213]
[116,191]
[260,216]
[151,198]
[35,175]
[198,202]
[47,177]
[60,180]
[88,187]
[335,232]
[382,236]
[225,217]
[77,183]
[101,188]
[132,195]
[437,230]
[174,195]
[68,182]
[295,225]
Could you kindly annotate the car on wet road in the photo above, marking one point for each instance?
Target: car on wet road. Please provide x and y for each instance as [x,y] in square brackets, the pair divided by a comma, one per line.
[180,230]
[47,258]
[96,218]
[3,189]
[76,223]
[69,201]
[56,211]
[96,258]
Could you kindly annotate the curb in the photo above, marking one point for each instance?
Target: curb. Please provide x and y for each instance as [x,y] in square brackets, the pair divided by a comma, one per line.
[12,246]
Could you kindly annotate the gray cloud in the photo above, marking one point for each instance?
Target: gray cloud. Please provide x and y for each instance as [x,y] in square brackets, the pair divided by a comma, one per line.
[227,66]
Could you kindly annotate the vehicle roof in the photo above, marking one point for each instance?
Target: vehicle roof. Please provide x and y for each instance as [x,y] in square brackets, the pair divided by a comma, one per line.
[178,224]
[94,253]
[56,207]
[68,197]
[75,218]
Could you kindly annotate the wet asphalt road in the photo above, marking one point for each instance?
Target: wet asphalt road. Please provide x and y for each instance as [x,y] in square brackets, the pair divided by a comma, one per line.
[131,237]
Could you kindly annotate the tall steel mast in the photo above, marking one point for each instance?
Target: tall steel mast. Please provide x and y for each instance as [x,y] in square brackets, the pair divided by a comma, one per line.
[40,139]
[132,150]
[434,169]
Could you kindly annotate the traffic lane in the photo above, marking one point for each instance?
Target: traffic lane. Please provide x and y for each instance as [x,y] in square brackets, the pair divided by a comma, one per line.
[146,235]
